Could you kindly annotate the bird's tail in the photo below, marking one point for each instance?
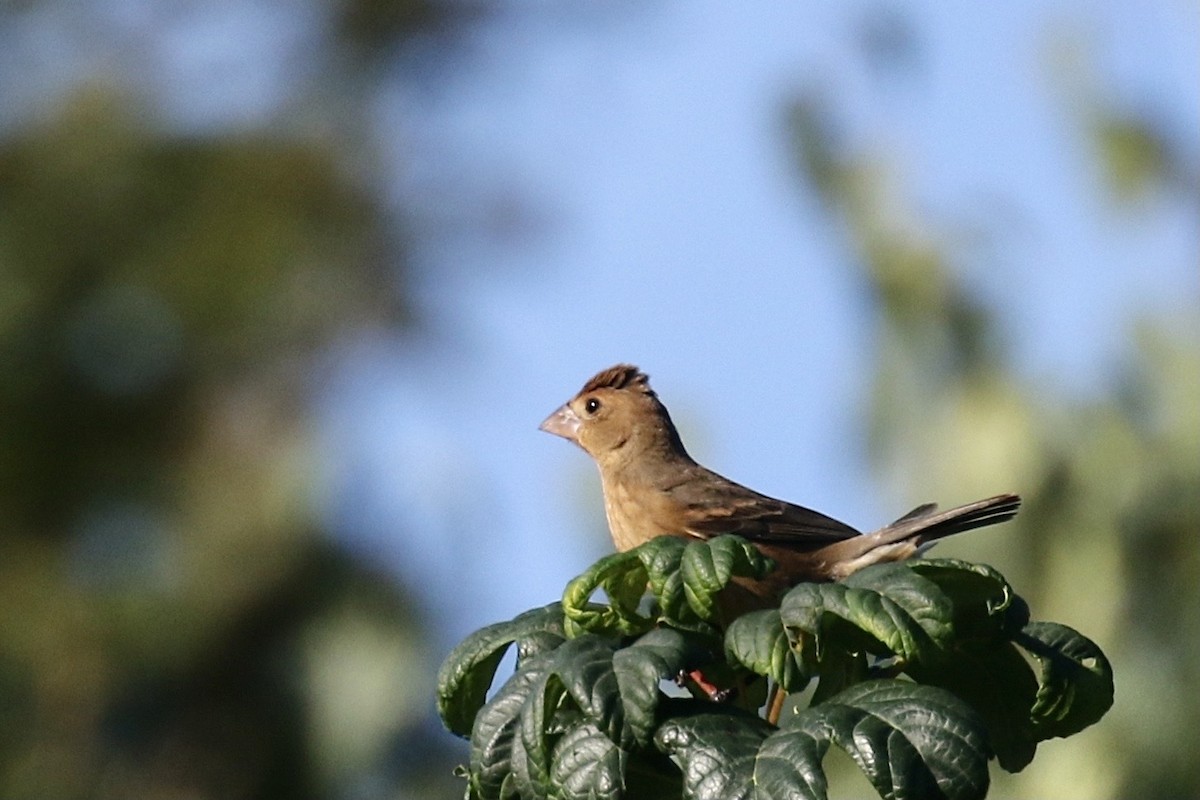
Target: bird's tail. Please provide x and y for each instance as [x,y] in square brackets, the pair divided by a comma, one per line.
[903,538]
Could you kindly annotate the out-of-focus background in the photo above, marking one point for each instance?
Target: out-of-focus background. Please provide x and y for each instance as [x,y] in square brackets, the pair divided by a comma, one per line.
[286,287]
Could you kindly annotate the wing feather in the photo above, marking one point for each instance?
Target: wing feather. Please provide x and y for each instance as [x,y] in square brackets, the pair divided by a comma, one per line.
[713,507]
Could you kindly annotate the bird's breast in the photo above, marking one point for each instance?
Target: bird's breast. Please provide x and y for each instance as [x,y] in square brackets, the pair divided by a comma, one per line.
[637,515]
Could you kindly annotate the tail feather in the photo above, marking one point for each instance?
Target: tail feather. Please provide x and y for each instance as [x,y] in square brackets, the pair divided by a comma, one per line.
[903,538]
[935,525]
[920,511]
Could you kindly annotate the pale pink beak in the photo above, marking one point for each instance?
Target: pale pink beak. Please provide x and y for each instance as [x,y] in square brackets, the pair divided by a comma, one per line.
[564,422]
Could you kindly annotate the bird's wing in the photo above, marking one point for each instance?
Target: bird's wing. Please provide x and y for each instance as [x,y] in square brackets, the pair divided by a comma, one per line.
[718,505]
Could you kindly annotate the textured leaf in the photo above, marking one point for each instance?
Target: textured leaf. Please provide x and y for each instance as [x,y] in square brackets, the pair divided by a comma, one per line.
[909,621]
[516,731]
[581,669]
[662,558]
[683,578]
[586,764]
[1075,682]
[659,655]
[707,567]
[623,578]
[588,685]
[997,682]
[911,741]
[468,671]
[788,764]
[759,642]
[924,601]
[495,745]
[716,751]
[985,605]
[945,623]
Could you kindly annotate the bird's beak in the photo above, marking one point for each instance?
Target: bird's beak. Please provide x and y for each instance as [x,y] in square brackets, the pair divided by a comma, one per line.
[564,422]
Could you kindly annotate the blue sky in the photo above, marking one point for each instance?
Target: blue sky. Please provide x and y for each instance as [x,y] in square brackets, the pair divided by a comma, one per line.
[621,190]
[606,182]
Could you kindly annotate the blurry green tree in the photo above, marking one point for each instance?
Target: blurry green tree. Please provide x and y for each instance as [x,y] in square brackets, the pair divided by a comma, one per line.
[1115,478]
[173,620]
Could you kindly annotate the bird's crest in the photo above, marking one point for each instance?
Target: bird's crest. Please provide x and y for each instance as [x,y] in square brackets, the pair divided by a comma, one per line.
[621,376]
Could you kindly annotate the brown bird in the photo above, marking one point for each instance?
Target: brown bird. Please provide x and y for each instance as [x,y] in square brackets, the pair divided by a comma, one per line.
[652,487]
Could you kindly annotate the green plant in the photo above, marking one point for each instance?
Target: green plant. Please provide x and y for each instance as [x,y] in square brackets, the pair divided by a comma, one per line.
[923,671]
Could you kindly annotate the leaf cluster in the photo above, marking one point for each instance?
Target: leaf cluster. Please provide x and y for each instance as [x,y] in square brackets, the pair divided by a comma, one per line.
[920,671]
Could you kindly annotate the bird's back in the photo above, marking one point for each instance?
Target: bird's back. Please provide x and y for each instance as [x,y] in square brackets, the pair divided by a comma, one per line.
[690,500]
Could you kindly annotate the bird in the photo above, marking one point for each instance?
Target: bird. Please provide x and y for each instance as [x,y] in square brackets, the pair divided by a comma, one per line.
[652,487]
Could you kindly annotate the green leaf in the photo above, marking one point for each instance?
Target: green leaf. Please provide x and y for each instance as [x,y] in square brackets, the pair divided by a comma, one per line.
[495,745]
[516,731]
[759,642]
[581,670]
[716,751]
[708,566]
[684,578]
[997,682]
[468,671]
[1075,681]
[837,670]
[587,765]
[788,764]
[623,578]
[944,623]
[894,613]
[984,604]
[910,741]
[662,558]
[587,681]
[659,655]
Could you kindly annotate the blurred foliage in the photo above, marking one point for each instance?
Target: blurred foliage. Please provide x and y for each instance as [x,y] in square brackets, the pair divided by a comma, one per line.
[173,621]
[372,25]
[1133,152]
[1106,540]
[1135,149]
[143,272]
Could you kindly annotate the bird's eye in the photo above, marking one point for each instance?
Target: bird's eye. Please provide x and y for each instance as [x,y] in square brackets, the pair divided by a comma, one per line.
[592,405]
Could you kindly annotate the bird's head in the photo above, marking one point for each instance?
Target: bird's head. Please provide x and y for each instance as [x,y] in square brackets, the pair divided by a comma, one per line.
[616,414]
